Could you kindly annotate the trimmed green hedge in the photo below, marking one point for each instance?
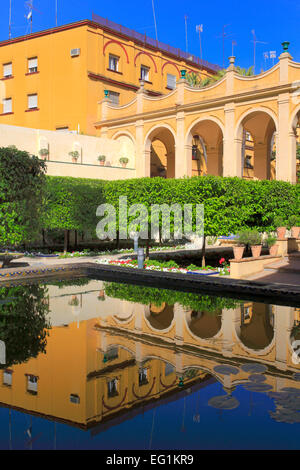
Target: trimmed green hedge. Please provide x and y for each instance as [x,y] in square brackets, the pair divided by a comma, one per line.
[231,204]
[152,295]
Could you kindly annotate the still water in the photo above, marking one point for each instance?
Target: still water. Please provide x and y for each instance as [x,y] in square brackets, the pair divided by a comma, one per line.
[86,364]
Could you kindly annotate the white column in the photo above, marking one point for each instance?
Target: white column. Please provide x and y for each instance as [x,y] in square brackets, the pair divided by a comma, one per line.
[179,314]
[284,320]
[142,156]
[183,152]
[286,142]
[232,148]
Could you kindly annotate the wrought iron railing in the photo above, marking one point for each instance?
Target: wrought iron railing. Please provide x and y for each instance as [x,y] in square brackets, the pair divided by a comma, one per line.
[153,42]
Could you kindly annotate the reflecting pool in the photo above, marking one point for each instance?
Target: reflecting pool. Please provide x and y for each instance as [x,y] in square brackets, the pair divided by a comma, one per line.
[87,364]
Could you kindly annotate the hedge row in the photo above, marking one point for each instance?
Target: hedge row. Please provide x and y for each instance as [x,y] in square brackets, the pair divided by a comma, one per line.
[230,204]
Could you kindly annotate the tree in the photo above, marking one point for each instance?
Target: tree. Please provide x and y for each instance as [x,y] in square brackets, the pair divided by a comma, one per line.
[23,322]
[22,180]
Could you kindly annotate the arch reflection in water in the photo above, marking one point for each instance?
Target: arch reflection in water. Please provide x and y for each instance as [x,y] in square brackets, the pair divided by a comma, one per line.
[107,371]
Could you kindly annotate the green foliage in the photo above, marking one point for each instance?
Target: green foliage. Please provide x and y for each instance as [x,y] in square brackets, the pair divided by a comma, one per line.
[298,152]
[43,152]
[23,322]
[151,295]
[245,72]
[124,160]
[280,221]
[231,205]
[71,203]
[74,154]
[102,158]
[22,180]
[293,221]
[249,238]
[193,79]
[270,240]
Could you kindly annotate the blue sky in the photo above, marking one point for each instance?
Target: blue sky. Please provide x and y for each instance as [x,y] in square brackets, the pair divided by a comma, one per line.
[273,21]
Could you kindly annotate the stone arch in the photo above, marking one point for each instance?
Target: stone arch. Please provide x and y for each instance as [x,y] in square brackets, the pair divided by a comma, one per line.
[261,123]
[160,144]
[205,138]
[126,147]
[204,325]
[256,334]
[119,44]
[170,63]
[147,54]
[160,319]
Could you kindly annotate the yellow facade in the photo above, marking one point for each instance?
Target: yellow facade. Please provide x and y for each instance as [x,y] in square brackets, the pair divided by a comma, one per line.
[69,87]
[266,106]
[100,339]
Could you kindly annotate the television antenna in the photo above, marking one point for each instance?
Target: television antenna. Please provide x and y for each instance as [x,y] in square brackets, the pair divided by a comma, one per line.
[186,35]
[9,21]
[29,5]
[154,17]
[255,41]
[199,29]
[224,36]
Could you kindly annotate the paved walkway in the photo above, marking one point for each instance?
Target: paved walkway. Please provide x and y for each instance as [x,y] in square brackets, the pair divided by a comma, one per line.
[284,271]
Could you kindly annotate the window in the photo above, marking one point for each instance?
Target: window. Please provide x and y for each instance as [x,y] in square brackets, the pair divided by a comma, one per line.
[7,106]
[143,376]
[145,73]
[32,101]
[7,70]
[248,136]
[74,399]
[32,65]
[113,63]
[248,163]
[32,384]
[114,97]
[112,354]
[169,369]
[62,129]
[112,388]
[7,378]
[171,81]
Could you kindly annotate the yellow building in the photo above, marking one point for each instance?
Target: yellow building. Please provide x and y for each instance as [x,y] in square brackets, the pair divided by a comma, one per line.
[55,78]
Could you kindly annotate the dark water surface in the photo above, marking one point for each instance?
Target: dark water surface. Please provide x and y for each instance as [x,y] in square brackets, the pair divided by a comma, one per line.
[87,364]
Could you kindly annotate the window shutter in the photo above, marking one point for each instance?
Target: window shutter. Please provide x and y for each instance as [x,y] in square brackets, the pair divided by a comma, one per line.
[7,70]
[7,105]
[171,81]
[33,64]
[32,101]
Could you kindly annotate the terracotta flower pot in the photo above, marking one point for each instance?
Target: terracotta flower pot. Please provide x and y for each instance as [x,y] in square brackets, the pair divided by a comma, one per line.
[256,251]
[281,231]
[74,160]
[124,165]
[273,250]
[238,252]
[295,232]
[102,162]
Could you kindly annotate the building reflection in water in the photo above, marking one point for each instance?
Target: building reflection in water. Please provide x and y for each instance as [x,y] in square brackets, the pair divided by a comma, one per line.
[107,358]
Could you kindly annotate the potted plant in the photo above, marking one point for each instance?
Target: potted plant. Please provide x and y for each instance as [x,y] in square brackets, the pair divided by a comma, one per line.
[281,227]
[239,248]
[124,161]
[75,155]
[271,243]
[101,159]
[294,225]
[255,243]
[44,153]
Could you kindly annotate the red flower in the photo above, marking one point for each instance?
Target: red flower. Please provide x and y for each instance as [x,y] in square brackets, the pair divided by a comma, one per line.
[222,261]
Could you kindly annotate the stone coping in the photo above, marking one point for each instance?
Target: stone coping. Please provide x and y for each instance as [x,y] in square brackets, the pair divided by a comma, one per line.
[247,260]
[273,293]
